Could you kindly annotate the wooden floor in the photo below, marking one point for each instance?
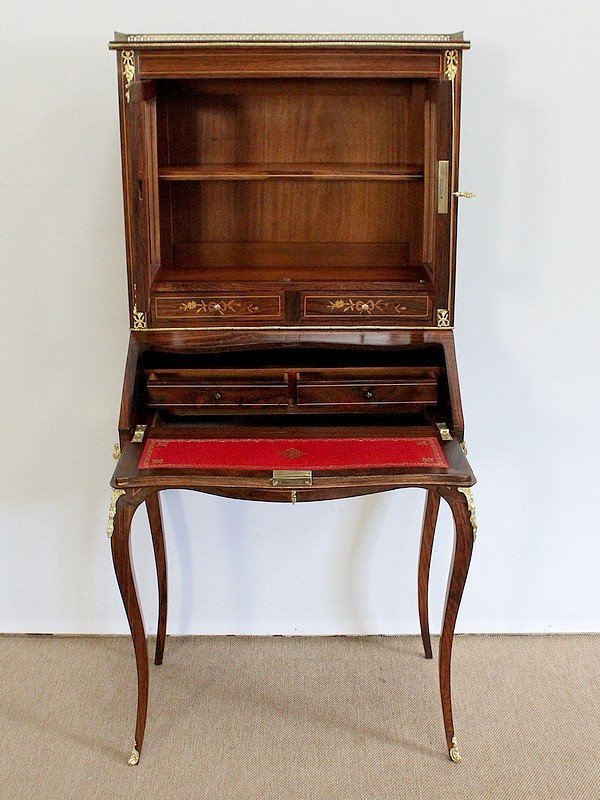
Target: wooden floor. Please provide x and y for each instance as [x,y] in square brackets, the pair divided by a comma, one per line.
[300,718]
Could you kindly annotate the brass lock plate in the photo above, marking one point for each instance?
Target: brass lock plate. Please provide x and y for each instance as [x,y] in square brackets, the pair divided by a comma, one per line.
[292,477]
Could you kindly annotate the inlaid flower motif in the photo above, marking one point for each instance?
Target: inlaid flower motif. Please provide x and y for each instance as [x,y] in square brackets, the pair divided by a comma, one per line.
[358,306]
[219,307]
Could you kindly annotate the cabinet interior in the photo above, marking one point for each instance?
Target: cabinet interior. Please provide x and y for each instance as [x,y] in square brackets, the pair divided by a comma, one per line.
[291,181]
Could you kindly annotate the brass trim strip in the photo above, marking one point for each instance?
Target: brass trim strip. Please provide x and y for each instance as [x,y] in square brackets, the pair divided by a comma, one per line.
[338,328]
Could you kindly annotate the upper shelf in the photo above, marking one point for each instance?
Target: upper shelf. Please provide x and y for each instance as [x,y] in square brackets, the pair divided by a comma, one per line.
[251,172]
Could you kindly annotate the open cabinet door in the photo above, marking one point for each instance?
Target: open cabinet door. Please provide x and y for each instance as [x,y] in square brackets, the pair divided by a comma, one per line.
[135,103]
[442,135]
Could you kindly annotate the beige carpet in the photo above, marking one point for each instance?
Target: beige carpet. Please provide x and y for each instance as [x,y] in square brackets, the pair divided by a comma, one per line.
[300,718]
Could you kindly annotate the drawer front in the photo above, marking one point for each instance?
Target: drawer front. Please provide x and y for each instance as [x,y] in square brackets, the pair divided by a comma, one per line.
[172,395]
[366,307]
[368,394]
[201,309]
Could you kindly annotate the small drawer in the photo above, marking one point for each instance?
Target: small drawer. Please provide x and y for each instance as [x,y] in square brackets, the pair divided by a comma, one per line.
[211,390]
[173,396]
[367,393]
[202,308]
[368,387]
[352,306]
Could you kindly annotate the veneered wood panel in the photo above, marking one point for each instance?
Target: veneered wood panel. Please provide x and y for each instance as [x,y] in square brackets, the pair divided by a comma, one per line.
[198,308]
[441,95]
[297,210]
[284,62]
[365,306]
[381,123]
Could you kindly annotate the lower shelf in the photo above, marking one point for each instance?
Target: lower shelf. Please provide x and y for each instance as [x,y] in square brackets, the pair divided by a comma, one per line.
[311,271]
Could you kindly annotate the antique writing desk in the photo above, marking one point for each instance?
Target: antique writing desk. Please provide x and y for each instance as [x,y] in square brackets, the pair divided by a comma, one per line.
[290,218]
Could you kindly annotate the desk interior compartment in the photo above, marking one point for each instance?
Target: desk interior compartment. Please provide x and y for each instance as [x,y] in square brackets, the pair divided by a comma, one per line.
[299,382]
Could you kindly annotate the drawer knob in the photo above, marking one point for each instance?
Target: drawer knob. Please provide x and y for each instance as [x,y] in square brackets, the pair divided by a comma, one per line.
[218,395]
[369,394]
[217,307]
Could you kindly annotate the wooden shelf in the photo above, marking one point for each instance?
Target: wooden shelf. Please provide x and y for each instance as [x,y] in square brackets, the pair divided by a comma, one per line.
[258,172]
[185,277]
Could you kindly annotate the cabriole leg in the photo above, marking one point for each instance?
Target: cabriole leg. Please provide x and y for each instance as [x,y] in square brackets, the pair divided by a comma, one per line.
[158,542]
[464,529]
[124,509]
[432,505]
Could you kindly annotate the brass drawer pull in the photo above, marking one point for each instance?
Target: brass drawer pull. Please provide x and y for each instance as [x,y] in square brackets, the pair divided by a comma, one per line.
[369,394]
[467,195]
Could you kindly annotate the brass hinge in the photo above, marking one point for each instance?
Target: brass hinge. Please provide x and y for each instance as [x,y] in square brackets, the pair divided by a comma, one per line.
[444,431]
[138,436]
[292,477]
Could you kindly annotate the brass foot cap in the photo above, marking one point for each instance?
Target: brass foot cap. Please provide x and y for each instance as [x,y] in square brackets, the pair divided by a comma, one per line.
[454,754]
[133,758]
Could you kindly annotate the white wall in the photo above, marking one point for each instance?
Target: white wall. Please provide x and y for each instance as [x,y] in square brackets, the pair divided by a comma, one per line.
[528,287]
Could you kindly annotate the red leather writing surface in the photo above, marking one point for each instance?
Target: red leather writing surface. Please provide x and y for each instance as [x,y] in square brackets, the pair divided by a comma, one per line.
[315,454]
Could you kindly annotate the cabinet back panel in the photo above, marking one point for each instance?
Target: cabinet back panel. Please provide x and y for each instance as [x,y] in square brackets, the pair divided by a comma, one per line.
[301,121]
[223,222]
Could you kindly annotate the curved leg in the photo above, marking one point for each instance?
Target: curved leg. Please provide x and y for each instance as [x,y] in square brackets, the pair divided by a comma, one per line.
[432,505]
[464,528]
[121,553]
[158,543]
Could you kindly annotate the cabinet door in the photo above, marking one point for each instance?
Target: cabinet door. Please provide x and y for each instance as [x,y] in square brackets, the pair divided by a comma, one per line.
[441,167]
[136,109]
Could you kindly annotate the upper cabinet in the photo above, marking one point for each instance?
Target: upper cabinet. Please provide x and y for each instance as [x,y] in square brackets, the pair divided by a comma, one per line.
[296,181]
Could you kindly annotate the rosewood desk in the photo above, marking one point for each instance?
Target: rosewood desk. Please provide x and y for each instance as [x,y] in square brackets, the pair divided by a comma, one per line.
[290,220]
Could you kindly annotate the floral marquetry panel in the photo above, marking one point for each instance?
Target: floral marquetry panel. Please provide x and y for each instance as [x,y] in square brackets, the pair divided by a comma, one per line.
[412,306]
[194,309]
